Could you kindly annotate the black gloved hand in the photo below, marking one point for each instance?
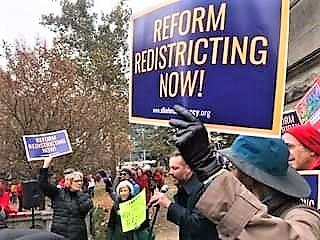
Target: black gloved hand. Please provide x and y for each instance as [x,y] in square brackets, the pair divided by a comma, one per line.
[191,137]
[193,143]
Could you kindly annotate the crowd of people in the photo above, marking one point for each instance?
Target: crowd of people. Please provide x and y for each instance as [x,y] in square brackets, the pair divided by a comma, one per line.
[71,199]
[11,197]
[128,183]
[11,194]
[251,190]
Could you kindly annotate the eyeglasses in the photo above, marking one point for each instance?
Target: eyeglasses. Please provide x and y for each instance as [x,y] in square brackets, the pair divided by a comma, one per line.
[123,174]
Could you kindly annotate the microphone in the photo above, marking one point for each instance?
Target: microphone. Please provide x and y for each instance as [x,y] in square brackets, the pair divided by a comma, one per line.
[163,189]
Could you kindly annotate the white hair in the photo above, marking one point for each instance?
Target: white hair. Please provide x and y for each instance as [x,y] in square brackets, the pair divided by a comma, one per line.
[73,175]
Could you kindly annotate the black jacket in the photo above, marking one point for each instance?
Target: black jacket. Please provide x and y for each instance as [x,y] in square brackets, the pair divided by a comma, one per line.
[114,230]
[69,209]
[192,225]
[28,234]
[2,219]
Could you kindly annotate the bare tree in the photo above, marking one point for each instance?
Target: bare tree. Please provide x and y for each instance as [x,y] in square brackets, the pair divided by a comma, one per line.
[41,91]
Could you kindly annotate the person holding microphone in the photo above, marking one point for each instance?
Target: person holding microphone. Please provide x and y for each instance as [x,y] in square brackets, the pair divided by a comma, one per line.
[192,224]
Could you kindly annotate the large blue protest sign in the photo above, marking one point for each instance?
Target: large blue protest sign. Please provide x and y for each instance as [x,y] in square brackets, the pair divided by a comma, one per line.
[290,119]
[51,144]
[313,178]
[224,60]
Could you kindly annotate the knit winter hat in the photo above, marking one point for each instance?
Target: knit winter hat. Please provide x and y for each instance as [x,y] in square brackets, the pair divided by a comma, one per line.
[125,183]
[308,136]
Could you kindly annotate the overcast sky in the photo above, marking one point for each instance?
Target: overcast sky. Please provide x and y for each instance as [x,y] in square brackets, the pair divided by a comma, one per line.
[19,19]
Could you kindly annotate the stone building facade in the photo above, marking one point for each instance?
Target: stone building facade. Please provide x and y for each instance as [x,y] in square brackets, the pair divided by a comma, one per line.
[304,49]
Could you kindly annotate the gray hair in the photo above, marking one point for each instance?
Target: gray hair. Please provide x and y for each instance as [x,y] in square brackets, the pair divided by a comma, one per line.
[73,175]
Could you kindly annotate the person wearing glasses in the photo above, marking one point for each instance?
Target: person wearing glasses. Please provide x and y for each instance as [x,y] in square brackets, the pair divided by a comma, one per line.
[70,205]
[126,174]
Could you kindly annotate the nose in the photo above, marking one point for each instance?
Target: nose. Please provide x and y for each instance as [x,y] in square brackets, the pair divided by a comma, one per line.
[291,157]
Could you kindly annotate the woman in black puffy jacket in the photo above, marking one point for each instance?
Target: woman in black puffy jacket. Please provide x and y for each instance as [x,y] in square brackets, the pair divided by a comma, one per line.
[70,205]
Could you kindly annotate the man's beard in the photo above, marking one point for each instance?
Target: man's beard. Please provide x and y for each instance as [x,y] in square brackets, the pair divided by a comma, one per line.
[178,182]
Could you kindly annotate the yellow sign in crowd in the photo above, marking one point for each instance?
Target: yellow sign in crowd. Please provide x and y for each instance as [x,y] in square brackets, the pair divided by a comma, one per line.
[133,212]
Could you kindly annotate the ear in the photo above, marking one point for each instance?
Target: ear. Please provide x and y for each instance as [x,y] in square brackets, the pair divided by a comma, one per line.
[187,166]
[67,183]
[313,154]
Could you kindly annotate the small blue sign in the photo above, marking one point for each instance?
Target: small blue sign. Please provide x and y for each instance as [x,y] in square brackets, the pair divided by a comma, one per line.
[289,119]
[223,60]
[51,144]
[312,177]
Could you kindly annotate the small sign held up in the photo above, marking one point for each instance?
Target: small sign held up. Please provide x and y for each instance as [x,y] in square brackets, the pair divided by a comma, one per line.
[53,144]
[289,119]
[312,177]
[133,212]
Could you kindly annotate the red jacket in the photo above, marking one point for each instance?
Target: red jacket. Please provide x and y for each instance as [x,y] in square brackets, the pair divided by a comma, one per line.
[19,189]
[158,177]
[4,203]
[143,181]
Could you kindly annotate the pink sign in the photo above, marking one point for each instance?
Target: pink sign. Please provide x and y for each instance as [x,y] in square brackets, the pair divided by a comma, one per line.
[315,120]
[308,107]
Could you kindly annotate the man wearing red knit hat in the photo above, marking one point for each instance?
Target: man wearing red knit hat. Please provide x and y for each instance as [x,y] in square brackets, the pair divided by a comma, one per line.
[304,145]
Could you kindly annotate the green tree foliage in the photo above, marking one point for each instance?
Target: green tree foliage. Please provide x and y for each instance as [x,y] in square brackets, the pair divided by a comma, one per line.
[99,45]
[156,141]
[221,140]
